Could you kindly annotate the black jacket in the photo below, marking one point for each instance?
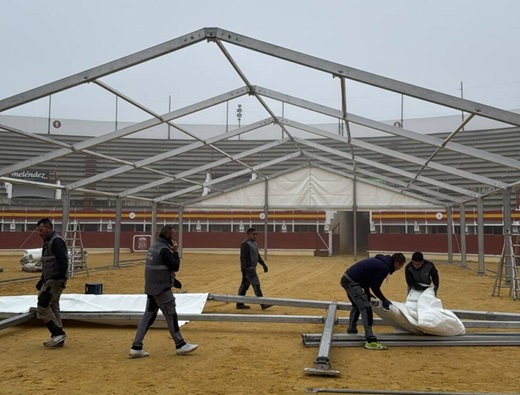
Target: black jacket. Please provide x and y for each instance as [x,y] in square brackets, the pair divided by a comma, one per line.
[421,278]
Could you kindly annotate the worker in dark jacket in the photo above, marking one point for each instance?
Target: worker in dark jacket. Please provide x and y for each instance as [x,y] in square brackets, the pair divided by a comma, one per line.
[363,280]
[421,273]
[162,262]
[55,264]
[249,259]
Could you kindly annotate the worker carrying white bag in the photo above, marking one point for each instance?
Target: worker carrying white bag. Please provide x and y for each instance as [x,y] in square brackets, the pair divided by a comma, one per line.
[422,313]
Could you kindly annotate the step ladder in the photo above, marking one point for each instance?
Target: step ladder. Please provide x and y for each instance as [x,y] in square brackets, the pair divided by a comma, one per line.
[77,254]
[508,267]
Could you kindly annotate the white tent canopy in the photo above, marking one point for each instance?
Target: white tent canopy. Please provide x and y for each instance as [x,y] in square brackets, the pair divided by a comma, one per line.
[313,188]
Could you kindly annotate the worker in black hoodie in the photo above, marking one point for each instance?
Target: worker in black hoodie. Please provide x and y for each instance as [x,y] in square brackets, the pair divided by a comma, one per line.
[362,281]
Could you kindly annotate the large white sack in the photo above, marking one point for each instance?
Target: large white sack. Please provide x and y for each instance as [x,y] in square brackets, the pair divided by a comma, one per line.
[422,313]
[33,254]
[433,319]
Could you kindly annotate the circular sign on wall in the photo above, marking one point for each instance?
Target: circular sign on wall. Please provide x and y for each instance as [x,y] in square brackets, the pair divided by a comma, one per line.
[131,215]
[438,216]
[56,124]
[261,215]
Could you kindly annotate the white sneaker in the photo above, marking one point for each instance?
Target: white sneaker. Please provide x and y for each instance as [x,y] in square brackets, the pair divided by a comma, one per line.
[55,341]
[187,348]
[138,353]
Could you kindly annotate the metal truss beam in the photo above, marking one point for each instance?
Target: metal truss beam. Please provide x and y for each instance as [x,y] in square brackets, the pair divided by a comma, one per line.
[89,143]
[167,154]
[378,81]
[202,168]
[229,176]
[393,130]
[103,70]
[404,173]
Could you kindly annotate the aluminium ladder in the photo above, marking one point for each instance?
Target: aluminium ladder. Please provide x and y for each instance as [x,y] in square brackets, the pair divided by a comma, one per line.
[77,254]
[508,267]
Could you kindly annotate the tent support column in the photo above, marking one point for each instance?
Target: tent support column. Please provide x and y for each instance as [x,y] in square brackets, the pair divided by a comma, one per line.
[266,217]
[480,236]
[180,231]
[462,222]
[66,213]
[449,223]
[153,230]
[117,233]
[507,230]
[354,218]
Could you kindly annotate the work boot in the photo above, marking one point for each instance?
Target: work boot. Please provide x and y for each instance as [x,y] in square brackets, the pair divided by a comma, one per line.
[242,306]
[266,306]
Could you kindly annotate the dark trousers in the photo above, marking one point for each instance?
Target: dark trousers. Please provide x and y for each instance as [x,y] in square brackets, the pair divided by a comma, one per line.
[250,279]
[166,302]
[49,305]
[360,305]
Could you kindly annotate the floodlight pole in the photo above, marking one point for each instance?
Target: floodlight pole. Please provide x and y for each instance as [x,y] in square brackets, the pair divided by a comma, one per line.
[239,116]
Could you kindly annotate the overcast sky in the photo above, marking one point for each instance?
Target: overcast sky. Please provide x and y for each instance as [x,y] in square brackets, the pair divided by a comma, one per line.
[434,44]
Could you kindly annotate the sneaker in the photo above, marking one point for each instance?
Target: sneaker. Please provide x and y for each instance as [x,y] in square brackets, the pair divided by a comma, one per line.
[375,346]
[242,307]
[266,306]
[352,331]
[55,341]
[49,344]
[138,353]
[187,348]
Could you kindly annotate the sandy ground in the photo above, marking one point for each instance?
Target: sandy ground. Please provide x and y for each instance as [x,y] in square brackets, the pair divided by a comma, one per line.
[247,358]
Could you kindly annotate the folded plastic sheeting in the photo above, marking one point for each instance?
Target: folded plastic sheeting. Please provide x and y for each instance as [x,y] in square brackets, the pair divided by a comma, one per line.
[187,303]
[422,313]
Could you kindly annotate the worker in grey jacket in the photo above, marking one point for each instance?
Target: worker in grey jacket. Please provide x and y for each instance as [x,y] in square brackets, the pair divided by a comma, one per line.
[249,259]
[55,263]
[162,262]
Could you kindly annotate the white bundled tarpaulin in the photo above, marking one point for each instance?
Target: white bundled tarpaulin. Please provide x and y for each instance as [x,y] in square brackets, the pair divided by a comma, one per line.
[31,260]
[33,254]
[422,313]
[187,303]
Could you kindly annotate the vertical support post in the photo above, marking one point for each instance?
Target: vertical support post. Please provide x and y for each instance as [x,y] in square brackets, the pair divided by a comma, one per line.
[449,224]
[169,126]
[354,217]
[153,229]
[117,232]
[266,219]
[507,231]
[180,231]
[480,236]
[49,118]
[462,222]
[65,201]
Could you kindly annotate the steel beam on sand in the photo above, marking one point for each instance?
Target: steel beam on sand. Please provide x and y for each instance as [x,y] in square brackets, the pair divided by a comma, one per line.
[322,362]
[389,392]
[408,340]
[17,319]
[302,303]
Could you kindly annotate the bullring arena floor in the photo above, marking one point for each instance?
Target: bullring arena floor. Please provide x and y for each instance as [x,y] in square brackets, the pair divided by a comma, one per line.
[247,358]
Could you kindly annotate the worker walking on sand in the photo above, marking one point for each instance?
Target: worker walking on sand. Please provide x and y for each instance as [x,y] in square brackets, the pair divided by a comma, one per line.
[162,262]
